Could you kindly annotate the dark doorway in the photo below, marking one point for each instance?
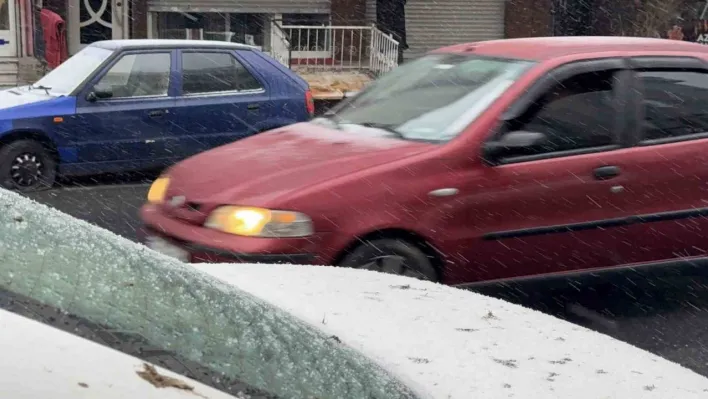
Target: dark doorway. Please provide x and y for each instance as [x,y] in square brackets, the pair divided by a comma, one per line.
[391,19]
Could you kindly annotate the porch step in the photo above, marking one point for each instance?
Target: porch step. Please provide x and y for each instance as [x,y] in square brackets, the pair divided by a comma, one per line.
[8,71]
[8,79]
[330,85]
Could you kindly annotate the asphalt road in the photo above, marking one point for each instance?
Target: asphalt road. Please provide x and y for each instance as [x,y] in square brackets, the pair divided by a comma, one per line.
[666,317]
[112,206]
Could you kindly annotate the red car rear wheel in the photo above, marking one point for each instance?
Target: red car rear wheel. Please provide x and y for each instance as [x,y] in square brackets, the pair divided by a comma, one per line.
[394,256]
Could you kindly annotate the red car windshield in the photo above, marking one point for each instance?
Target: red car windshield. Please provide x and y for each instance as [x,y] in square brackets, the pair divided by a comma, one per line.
[432,98]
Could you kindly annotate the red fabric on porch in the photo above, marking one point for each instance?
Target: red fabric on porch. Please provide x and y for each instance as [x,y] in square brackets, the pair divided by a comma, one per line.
[54,30]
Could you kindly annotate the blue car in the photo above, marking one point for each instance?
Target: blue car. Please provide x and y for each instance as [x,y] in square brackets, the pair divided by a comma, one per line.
[130,105]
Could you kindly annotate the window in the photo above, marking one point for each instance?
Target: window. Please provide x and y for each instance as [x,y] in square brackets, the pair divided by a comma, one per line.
[575,114]
[176,25]
[433,98]
[71,74]
[674,103]
[246,28]
[214,73]
[4,15]
[138,75]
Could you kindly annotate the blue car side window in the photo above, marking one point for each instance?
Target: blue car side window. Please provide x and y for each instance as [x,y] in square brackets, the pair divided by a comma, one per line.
[137,75]
[214,72]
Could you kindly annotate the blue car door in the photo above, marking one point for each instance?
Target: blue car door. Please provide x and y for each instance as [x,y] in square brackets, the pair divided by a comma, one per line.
[220,100]
[125,115]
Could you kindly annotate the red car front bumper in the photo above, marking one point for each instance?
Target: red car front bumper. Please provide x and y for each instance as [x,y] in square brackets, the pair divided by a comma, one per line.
[206,245]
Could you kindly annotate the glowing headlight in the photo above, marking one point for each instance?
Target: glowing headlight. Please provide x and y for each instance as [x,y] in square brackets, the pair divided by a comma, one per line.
[259,222]
[156,195]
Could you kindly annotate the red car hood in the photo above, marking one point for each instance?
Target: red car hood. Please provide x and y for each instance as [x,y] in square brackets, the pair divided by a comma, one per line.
[260,168]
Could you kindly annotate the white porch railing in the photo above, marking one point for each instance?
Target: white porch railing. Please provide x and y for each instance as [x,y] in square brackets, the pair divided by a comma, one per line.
[384,52]
[346,48]
[280,47]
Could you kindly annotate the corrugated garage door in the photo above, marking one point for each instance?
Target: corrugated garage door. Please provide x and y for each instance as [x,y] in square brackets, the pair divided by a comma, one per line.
[245,6]
[436,23]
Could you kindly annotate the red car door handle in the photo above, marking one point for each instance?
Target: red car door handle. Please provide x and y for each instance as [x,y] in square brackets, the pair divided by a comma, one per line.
[606,172]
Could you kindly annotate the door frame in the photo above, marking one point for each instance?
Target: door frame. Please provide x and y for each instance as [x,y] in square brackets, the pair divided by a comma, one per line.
[120,22]
[138,104]
[221,99]
[10,48]
[487,238]
[83,104]
[622,99]
[659,62]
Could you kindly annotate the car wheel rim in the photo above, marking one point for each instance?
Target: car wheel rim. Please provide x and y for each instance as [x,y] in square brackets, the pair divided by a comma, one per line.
[392,264]
[26,169]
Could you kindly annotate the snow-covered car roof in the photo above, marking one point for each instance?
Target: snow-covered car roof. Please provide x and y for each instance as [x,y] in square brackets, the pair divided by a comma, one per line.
[43,362]
[312,331]
[451,343]
[170,43]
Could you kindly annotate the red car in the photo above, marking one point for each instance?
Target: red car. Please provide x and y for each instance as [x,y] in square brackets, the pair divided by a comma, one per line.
[477,162]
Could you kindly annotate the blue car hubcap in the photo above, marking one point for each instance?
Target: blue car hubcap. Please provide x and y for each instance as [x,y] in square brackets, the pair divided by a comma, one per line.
[26,170]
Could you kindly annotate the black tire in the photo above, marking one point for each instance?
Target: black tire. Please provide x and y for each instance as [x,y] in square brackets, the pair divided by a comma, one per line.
[394,256]
[40,173]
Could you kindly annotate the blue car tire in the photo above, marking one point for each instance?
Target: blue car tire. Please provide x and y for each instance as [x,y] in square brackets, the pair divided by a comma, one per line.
[393,256]
[26,165]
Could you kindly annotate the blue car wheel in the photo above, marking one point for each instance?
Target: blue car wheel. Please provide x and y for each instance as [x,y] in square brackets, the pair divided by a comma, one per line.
[26,165]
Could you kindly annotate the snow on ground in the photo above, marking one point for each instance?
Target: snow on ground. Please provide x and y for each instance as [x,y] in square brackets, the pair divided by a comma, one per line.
[457,344]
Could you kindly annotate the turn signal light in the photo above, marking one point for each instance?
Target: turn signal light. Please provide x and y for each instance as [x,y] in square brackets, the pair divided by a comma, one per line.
[310,102]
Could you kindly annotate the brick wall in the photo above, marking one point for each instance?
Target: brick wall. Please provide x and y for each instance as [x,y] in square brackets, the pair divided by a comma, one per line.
[349,12]
[527,18]
[624,18]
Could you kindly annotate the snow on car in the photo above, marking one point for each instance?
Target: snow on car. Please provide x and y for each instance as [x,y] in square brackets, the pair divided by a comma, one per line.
[288,331]
[43,362]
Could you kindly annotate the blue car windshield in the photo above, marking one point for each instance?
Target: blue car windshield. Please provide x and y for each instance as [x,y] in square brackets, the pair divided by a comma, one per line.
[65,78]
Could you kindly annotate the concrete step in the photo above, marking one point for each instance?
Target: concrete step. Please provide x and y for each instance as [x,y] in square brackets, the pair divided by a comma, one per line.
[8,71]
[9,65]
[8,79]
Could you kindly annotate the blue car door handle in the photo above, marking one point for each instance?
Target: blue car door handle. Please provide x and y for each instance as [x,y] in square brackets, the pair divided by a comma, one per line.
[156,113]
[253,106]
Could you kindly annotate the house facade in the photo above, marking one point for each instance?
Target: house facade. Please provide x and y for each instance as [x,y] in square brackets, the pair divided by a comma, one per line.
[685,20]
[429,23]
[16,33]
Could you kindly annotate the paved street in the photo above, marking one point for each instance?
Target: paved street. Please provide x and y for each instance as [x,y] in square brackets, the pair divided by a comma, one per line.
[111,206]
[669,318]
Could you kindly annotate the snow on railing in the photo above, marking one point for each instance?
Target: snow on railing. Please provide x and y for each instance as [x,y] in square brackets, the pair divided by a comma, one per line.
[384,52]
